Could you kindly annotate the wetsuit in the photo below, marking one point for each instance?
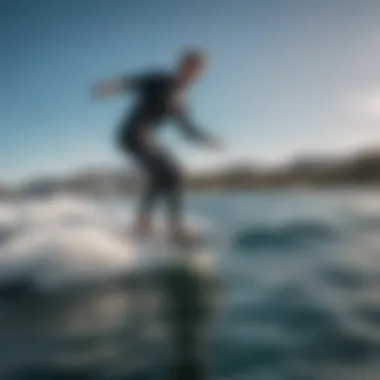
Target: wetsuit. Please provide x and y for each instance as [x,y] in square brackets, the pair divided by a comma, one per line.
[158,99]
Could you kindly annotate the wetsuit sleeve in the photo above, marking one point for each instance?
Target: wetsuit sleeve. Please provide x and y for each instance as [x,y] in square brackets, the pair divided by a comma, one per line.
[134,82]
[187,125]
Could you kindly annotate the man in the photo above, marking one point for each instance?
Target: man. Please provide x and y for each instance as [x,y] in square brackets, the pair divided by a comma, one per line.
[159,98]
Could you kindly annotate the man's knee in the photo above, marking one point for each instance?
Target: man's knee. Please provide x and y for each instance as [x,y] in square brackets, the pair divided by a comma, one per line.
[171,179]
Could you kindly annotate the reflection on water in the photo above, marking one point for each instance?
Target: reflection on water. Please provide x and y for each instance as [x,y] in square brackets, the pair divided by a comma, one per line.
[140,325]
[300,280]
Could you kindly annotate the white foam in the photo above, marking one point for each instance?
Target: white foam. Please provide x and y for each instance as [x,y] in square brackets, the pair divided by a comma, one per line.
[9,217]
[63,239]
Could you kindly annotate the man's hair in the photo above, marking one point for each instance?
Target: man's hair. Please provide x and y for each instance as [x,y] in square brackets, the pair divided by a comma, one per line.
[192,55]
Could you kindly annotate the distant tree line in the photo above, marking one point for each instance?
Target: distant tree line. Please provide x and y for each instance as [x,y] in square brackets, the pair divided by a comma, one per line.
[362,169]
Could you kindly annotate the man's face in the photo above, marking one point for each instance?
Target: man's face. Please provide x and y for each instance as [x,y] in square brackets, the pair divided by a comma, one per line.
[192,69]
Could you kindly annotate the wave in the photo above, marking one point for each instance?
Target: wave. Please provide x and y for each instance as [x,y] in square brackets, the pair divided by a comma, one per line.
[65,240]
[344,277]
[353,220]
[288,235]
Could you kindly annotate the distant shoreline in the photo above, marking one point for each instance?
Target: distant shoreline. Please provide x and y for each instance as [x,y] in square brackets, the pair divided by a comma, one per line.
[199,191]
[360,171]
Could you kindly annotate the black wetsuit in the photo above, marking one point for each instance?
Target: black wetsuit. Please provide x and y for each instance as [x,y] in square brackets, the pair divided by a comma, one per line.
[158,99]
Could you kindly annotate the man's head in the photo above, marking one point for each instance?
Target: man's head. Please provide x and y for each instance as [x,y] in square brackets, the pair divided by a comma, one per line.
[191,64]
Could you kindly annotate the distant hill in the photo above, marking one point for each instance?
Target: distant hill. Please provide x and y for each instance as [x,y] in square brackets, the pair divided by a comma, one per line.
[104,181]
[5,190]
[310,171]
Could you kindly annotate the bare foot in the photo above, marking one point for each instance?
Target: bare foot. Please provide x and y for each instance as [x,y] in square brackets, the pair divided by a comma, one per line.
[183,236]
[144,228]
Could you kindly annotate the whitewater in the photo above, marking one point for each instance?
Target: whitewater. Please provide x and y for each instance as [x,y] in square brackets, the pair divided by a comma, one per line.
[298,273]
[66,240]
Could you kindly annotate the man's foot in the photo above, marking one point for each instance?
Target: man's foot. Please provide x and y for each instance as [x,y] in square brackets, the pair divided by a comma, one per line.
[144,228]
[183,236]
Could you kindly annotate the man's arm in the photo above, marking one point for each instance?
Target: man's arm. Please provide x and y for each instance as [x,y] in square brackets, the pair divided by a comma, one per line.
[193,132]
[116,86]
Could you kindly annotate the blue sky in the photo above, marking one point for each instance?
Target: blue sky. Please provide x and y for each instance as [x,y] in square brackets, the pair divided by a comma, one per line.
[286,77]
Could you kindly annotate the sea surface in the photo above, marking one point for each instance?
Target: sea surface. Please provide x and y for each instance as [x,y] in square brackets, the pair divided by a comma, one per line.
[287,287]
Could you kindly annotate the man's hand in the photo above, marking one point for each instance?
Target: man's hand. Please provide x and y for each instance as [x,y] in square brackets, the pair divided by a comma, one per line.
[97,91]
[216,143]
[107,88]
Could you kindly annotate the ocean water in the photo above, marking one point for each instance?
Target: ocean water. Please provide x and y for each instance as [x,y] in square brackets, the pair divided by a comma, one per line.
[288,287]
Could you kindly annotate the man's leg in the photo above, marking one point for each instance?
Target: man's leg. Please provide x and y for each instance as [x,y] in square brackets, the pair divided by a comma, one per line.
[171,179]
[149,193]
[173,189]
[164,179]
[148,199]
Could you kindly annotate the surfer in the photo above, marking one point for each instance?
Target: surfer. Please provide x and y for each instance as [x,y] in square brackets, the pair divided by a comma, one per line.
[160,97]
